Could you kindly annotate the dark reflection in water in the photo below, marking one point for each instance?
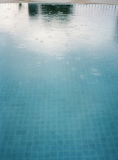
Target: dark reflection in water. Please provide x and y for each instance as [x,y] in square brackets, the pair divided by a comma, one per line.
[50,11]
[55,9]
[20,5]
[33,9]
[57,12]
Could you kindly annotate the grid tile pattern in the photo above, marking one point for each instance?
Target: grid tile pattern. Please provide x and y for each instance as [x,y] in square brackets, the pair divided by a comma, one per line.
[61,107]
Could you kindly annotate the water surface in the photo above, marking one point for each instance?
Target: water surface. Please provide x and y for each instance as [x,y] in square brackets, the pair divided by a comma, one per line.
[58,82]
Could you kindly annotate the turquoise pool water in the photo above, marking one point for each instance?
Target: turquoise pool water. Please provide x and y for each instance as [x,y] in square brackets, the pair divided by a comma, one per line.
[58,82]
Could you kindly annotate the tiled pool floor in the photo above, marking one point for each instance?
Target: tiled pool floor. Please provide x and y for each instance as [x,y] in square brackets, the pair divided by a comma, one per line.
[58,82]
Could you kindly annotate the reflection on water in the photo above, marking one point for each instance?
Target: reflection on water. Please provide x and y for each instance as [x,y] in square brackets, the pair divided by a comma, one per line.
[59,26]
[55,9]
[57,12]
[83,24]
[51,10]
[20,5]
[33,9]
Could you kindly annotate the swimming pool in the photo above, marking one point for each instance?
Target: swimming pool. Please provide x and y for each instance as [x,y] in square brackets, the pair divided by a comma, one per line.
[58,82]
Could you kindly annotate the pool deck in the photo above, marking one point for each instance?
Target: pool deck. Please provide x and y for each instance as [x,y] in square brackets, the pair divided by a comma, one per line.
[113,2]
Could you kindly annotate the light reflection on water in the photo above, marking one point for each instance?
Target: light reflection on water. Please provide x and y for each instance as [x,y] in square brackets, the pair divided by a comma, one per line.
[56,26]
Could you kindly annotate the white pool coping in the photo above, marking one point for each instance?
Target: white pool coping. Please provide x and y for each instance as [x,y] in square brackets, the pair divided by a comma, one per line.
[109,2]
